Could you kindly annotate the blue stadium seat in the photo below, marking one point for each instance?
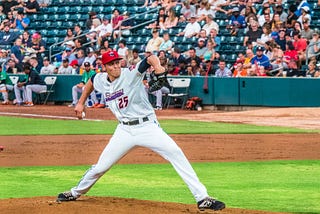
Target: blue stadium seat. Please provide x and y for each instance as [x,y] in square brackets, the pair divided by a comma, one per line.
[63,9]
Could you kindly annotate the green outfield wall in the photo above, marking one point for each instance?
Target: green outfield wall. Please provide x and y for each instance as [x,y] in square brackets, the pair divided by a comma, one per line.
[250,91]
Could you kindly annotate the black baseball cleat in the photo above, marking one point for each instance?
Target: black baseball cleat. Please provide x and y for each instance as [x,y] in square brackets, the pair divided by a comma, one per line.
[210,204]
[66,196]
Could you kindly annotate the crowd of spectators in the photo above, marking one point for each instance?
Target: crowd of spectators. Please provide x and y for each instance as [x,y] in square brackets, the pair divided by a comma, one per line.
[274,39]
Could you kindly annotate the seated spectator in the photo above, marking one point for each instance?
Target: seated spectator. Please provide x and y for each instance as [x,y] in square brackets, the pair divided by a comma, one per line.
[125,27]
[276,52]
[278,66]
[300,45]
[65,68]
[194,68]
[179,62]
[5,86]
[80,56]
[314,45]
[281,40]
[166,44]
[91,57]
[77,32]
[12,68]
[276,21]
[35,64]
[116,19]
[104,30]
[160,18]
[266,18]
[69,35]
[292,17]
[7,37]
[154,43]
[78,88]
[312,71]
[36,47]
[236,21]
[201,48]
[306,32]
[282,14]
[32,83]
[248,57]
[123,49]
[187,11]
[265,36]
[305,15]
[21,21]
[26,38]
[17,52]
[192,28]
[171,20]
[68,54]
[75,66]
[210,53]
[291,55]
[98,66]
[135,58]
[192,56]
[31,6]
[260,63]
[48,68]
[93,20]
[203,11]
[217,40]
[239,70]
[223,70]
[253,34]
[210,24]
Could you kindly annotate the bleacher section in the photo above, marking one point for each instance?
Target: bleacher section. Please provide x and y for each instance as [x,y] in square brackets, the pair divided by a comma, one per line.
[54,20]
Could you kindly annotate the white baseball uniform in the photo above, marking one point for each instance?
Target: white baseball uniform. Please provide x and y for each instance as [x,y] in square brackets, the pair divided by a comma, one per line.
[138,126]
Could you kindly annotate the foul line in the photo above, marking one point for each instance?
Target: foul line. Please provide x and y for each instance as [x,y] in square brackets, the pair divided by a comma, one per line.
[45,116]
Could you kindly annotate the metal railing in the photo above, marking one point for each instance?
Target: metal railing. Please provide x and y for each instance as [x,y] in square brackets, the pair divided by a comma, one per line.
[316,54]
[138,15]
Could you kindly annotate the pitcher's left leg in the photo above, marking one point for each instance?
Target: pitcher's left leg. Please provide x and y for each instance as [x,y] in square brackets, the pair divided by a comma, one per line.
[158,141]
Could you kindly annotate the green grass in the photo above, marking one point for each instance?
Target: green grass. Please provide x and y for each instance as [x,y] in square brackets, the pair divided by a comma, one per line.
[29,126]
[285,186]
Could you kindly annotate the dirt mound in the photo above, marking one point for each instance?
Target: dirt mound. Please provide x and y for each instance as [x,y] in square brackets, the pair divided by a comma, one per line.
[110,205]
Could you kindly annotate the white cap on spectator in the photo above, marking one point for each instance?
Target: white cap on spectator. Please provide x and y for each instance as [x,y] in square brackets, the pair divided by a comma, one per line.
[235,9]
[71,43]
[305,8]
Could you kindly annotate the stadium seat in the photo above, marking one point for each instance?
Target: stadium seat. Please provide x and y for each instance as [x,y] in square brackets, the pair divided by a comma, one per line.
[129,3]
[63,10]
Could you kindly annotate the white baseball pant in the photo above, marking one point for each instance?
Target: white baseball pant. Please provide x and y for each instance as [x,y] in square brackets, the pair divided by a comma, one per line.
[34,88]
[146,134]
[4,90]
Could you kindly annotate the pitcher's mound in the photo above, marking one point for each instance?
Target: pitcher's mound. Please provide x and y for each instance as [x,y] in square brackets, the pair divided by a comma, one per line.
[110,205]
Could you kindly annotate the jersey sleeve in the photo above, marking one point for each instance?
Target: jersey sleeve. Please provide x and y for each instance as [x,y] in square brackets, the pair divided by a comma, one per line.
[142,66]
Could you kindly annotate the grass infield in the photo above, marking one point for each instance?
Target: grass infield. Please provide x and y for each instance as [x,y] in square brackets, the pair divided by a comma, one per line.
[267,185]
[30,126]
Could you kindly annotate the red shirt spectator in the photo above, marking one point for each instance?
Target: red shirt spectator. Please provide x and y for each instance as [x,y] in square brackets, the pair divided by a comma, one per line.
[116,19]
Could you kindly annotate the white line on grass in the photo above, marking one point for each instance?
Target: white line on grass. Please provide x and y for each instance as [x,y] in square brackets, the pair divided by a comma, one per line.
[44,116]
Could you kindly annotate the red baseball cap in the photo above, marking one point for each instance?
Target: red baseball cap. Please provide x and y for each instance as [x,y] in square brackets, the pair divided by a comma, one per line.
[110,56]
[73,62]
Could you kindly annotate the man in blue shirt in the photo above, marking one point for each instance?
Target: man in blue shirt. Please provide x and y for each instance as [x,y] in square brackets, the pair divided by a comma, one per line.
[22,21]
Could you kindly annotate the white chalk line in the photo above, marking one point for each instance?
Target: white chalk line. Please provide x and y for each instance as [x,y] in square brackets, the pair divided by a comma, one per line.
[45,116]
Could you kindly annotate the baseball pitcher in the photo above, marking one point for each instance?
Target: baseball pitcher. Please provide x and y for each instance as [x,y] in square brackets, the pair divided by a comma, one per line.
[138,126]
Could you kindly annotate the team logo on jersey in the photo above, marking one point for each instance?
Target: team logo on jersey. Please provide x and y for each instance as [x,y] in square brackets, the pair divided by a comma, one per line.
[114,95]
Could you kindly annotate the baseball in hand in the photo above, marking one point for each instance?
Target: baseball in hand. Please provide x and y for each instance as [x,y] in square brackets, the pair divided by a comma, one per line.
[83,115]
